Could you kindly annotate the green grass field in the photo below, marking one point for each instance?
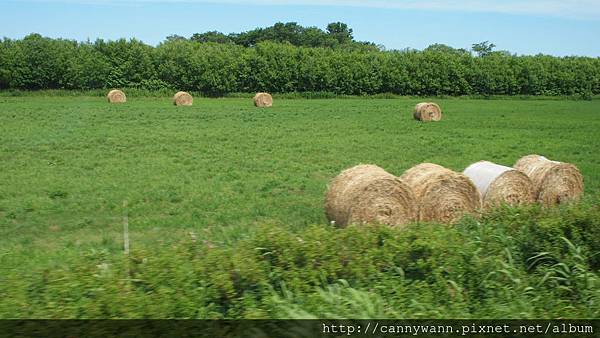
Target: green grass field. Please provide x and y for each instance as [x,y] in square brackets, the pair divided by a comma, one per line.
[205,184]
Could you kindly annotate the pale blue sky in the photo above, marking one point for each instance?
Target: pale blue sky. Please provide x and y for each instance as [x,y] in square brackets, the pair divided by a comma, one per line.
[567,27]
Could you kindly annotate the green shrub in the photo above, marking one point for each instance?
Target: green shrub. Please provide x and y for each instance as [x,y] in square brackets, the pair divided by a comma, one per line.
[513,263]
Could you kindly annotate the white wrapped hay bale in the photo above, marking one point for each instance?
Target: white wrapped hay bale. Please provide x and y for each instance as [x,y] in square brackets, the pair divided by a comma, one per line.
[499,184]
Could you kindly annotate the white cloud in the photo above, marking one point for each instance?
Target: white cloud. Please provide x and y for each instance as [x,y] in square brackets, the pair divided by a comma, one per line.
[576,9]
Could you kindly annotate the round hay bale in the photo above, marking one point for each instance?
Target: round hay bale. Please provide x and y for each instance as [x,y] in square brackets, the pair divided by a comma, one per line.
[442,194]
[183,99]
[554,182]
[263,100]
[498,184]
[427,111]
[369,194]
[116,96]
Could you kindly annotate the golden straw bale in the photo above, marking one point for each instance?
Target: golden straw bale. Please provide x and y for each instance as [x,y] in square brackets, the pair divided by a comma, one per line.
[427,111]
[554,182]
[116,96]
[183,99]
[369,194]
[442,194]
[263,100]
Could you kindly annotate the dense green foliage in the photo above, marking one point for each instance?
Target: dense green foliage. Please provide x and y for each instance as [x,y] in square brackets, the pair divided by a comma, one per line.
[477,269]
[225,210]
[218,67]
[338,34]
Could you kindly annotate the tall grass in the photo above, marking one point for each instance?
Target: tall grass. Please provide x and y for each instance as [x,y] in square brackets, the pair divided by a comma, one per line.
[477,269]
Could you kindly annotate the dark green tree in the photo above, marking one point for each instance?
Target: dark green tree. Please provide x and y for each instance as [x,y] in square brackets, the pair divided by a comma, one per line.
[442,48]
[174,37]
[212,36]
[483,48]
[340,32]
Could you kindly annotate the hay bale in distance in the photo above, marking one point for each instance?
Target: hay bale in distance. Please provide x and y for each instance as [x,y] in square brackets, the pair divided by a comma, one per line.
[498,184]
[183,99]
[369,194]
[263,100]
[554,182]
[427,111]
[442,194]
[116,96]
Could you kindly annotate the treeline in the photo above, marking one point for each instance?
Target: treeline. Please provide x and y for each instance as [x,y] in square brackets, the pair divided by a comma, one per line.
[213,68]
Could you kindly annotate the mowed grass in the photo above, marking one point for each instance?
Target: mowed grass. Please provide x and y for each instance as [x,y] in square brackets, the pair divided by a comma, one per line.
[221,168]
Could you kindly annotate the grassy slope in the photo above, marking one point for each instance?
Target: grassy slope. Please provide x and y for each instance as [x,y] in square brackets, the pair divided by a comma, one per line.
[222,168]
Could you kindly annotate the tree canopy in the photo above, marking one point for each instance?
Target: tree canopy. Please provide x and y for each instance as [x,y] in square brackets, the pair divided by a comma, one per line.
[336,34]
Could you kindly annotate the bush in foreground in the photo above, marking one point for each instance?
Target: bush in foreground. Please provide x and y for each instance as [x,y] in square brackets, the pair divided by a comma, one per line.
[512,263]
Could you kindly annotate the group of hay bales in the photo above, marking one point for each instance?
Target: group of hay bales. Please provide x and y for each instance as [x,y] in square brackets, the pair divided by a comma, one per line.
[185,99]
[426,192]
[425,111]
[532,178]
[429,192]
[179,99]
